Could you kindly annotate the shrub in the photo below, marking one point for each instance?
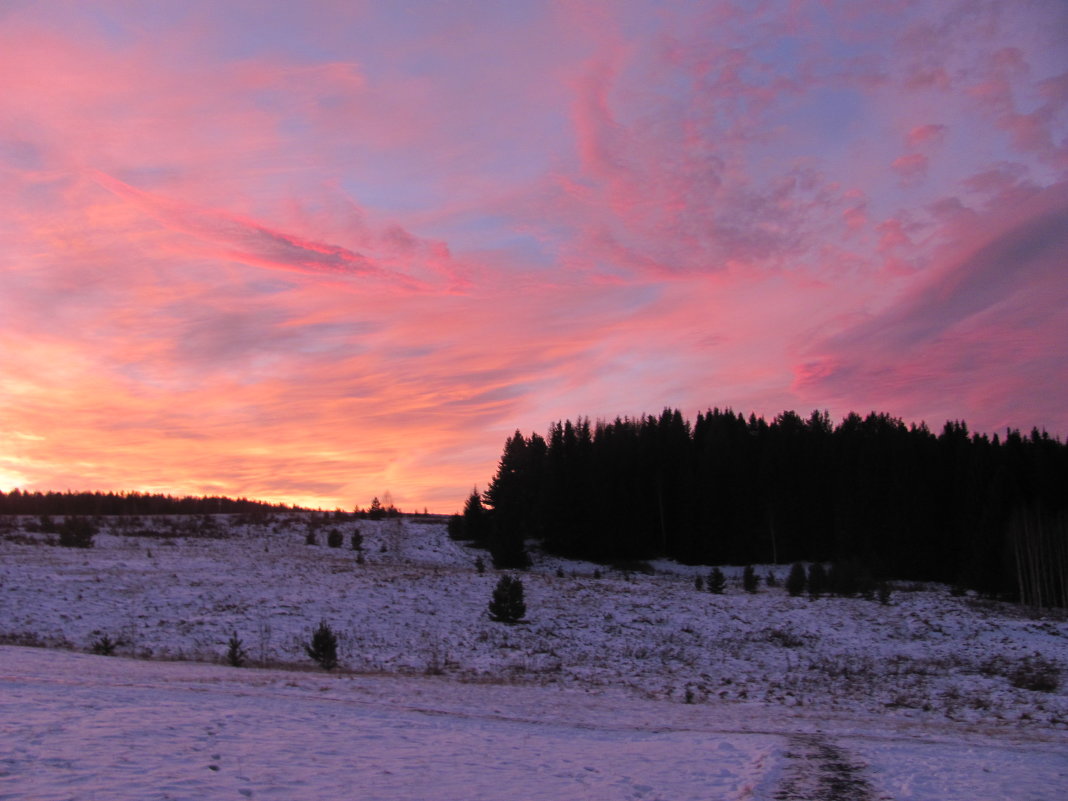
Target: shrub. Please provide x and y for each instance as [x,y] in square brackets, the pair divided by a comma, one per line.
[716,582]
[104,646]
[796,580]
[698,583]
[1036,673]
[750,580]
[784,638]
[817,580]
[357,540]
[77,532]
[771,580]
[323,646]
[235,651]
[311,539]
[507,605]
[334,538]
[480,565]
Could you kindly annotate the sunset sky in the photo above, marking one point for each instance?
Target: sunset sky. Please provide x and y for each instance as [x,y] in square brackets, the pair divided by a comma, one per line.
[315,252]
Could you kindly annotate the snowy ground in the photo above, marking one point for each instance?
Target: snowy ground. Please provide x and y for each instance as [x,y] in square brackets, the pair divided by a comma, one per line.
[619,687]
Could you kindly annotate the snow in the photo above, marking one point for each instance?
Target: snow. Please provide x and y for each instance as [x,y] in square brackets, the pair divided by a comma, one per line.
[620,687]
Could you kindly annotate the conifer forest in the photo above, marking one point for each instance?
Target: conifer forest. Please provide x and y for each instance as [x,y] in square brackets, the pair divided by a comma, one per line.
[983,513]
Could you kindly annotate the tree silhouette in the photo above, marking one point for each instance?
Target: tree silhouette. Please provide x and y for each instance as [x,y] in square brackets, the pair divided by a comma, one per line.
[507,604]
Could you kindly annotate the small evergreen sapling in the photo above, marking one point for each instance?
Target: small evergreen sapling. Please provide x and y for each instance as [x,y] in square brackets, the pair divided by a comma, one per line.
[796,581]
[817,580]
[323,646]
[235,651]
[104,646]
[750,580]
[507,605]
[717,582]
[77,532]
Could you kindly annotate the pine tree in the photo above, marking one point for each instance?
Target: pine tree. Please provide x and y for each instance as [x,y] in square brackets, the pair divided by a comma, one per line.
[817,580]
[475,525]
[750,580]
[507,605]
[716,582]
[235,651]
[77,532]
[323,646]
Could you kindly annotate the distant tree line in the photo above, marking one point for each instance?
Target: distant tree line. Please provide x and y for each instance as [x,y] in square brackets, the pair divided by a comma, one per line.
[17,502]
[980,512]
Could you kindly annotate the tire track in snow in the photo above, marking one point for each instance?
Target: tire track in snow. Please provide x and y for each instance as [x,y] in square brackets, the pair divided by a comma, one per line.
[820,770]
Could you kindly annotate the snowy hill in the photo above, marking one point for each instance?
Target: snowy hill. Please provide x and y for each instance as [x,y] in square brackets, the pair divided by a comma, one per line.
[603,659]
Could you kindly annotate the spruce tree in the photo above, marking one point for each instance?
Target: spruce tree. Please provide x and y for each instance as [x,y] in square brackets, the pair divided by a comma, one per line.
[817,580]
[475,524]
[507,605]
[77,532]
[235,651]
[323,646]
[750,580]
[716,582]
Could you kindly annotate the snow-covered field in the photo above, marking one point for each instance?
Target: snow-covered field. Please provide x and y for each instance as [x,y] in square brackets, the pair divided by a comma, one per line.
[618,687]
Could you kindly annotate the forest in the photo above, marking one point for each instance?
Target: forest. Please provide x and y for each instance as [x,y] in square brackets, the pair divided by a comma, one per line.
[978,512]
[18,502]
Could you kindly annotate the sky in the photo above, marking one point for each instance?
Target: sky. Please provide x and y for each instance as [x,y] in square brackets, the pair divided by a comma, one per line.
[319,252]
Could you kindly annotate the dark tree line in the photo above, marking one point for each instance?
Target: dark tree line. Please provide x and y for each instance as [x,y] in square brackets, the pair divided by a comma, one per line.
[17,502]
[902,500]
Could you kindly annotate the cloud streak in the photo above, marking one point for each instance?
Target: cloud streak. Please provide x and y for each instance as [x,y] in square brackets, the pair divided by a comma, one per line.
[250,242]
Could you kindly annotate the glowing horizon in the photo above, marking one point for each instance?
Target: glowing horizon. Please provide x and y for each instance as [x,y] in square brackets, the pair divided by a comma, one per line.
[316,254]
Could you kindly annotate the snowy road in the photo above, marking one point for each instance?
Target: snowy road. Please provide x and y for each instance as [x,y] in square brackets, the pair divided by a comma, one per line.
[75,726]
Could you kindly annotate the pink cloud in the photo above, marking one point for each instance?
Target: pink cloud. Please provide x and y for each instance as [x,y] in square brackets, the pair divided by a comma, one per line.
[926,135]
[987,319]
[250,242]
[911,167]
[350,251]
